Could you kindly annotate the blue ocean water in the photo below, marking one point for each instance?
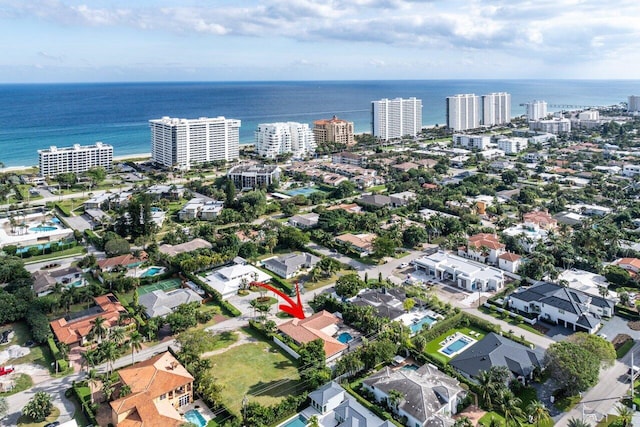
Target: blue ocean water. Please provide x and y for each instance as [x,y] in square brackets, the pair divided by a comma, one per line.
[37,116]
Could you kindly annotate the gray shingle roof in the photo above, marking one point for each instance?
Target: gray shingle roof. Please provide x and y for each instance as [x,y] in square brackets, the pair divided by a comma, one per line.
[561,297]
[495,350]
[160,303]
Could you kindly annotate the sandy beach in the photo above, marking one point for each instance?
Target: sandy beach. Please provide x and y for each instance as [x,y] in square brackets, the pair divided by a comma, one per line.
[115,159]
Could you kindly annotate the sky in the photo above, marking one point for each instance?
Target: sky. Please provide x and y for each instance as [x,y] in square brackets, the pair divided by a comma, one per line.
[238,40]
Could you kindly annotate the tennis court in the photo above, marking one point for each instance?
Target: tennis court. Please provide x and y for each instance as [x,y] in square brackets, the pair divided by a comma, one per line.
[165,285]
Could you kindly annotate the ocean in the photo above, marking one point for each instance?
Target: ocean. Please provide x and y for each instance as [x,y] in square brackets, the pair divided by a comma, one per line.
[37,116]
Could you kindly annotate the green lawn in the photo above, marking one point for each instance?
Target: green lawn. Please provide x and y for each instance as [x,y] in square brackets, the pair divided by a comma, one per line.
[510,320]
[38,354]
[76,250]
[624,349]
[433,346]
[25,421]
[22,382]
[257,370]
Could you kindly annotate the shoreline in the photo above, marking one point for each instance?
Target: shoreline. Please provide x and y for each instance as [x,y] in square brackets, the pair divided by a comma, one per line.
[115,159]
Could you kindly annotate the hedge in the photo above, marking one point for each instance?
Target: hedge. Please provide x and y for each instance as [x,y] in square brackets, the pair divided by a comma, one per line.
[627,313]
[373,408]
[215,295]
[55,352]
[63,209]
[85,402]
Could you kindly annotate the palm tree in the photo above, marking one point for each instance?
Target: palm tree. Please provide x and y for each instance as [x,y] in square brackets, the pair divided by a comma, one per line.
[135,342]
[463,422]
[92,379]
[575,422]
[487,388]
[625,415]
[109,352]
[313,422]
[117,335]
[98,329]
[538,412]
[509,405]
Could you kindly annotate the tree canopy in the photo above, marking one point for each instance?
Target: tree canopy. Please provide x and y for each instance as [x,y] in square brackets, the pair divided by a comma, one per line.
[573,367]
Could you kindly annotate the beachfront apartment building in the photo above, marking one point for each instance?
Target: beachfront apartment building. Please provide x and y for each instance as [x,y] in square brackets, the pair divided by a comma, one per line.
[333,130]
[76,159]
[633,105]
[274,139]
[513,145]
[395,118]
[463,112]
[183,143]
[536,110]
[479,142]
[496,108]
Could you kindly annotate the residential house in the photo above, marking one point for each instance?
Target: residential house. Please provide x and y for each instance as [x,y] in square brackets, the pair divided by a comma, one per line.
[290,265]
[304,221]
[496,350]
[163,191]
[483,247]
[565,306]
[45,281]
[632,265]
[160,303]
[348,158]
[190,246]
[375,200]
[464,273]
[347,207]
[74,328]
[541,219]
[96,202]
[322,325]
[362,243]
[402,199]
[586,281]
[228,280]
[589,210]
[528,235]
[510,262]
[335,407]
[160,388]
[387,302]
[429,397]
[406,166]
[199,208]
[126,260]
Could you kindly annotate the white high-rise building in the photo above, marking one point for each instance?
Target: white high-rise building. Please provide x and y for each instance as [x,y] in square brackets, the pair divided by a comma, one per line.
[496,108]
[536,110]
[76,159]
[463,111]
[634,104]
[273,139]
[185,142]
[395,118]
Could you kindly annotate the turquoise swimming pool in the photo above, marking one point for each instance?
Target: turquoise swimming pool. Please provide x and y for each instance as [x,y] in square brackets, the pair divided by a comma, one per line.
[41,228]
[305,191]
[417,326]
[152,271]
[195,418]
[299,421]
[345,337]
[456,346]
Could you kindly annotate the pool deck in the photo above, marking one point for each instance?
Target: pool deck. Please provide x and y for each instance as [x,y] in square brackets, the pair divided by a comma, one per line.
[202,408]
[453,338]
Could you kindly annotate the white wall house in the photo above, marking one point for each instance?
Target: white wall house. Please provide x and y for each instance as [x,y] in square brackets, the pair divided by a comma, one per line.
[565,306]
[513,145]
[479,142]
[630,170]
[466,274]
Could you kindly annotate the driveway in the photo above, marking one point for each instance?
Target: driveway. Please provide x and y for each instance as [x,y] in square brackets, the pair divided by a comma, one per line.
[617,325]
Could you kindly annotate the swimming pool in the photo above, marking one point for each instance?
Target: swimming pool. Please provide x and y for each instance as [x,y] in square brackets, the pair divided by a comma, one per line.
[411,367]
[195,418]
[305,191]
[417,326]
[345,337]
[152,271]
[456,346]
[43,228]
[299,421]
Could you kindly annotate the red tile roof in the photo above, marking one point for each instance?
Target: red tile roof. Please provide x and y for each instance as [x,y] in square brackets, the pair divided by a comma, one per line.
[485,239]
[509,256]
[309,329]
[72,331]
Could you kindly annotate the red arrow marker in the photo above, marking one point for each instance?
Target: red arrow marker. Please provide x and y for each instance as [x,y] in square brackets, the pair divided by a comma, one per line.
[294,308]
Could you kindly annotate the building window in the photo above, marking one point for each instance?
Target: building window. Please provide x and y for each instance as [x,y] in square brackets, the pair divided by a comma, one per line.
[184,400]
[163,396]
[560,311]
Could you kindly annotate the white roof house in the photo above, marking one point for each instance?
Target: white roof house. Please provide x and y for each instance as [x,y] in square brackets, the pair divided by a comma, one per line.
[160,303]
[228,280]
[466,274]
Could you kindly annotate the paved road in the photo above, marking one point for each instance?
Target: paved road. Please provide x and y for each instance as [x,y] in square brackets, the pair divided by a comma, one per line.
[603,398]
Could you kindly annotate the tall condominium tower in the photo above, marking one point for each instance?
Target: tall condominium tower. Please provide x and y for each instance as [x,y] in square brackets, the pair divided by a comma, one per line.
[185,142]
[496,108]
[76,159]
[280,138]
[634,104]
[463,111]
[395,118]
[536,110]
[333,130]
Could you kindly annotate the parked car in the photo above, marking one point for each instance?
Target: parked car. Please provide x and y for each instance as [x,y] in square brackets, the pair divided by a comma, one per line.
[404,265]
[6,336]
